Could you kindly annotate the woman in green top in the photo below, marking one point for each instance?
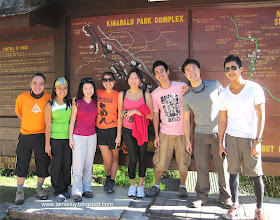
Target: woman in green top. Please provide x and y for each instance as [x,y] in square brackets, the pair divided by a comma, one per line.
[57,118]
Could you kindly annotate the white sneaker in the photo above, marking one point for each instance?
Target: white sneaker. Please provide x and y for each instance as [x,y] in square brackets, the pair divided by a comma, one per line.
[140,192]
[232,213]
[132,191]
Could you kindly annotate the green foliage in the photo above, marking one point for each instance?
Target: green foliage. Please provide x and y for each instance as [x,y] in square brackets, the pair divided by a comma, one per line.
[4,172]
[245,185]
[8,185]
[8,181]
[171,174]
[10,173]
[149,180]
[122,178]
[98,170]
[271,185]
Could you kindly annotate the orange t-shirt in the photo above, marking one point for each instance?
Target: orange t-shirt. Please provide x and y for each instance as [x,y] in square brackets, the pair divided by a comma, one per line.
[107,109]
[32,112]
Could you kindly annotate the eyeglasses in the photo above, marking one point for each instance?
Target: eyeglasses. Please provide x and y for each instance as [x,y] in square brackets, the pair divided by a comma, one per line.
[230,68]
[108,79]
[86,80]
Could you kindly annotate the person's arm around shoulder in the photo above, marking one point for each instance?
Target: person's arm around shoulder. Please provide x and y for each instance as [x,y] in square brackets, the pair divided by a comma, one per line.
[149,103]
[187,130]
[120,119]
[48,122]
[256,147]
[72,125]
[222,125]
[184,89]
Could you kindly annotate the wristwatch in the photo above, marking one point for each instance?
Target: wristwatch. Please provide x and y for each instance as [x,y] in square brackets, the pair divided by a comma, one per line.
[258,140]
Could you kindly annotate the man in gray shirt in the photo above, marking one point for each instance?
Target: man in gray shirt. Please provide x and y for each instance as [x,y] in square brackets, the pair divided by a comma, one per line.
[202,100]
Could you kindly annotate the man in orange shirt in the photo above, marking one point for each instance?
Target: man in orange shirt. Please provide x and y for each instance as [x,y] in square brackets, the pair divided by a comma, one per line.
[30,110]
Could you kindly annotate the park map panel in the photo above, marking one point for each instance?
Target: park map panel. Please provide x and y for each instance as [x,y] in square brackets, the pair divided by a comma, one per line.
[117,43]
[253,34]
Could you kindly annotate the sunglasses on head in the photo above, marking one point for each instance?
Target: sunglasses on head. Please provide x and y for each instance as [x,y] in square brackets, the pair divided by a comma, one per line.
[227,69]
[86,80]
[108,79]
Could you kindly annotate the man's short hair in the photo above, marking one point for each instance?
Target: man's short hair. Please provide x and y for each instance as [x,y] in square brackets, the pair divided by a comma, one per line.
[159,63]
[233,58]
[39,74]
[188,61]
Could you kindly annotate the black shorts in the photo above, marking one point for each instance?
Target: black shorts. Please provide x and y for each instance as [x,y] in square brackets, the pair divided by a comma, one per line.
[107,137]
[25,145]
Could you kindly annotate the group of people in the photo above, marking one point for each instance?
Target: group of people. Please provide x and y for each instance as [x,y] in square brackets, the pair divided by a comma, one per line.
[64,132]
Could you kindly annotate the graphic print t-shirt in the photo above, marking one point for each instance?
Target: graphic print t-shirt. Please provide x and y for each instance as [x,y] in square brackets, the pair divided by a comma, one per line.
[169,103]
[32,111]
[107,107]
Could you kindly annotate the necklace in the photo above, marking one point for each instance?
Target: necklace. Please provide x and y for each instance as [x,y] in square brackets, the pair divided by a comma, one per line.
[198,86]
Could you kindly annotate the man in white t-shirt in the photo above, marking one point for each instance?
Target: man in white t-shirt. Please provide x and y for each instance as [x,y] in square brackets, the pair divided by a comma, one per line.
[167,100]
[242,116]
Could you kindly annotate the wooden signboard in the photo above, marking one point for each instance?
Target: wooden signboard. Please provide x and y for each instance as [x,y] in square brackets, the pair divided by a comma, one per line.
[27,57]
[252,34]
[117,43]
[19,60]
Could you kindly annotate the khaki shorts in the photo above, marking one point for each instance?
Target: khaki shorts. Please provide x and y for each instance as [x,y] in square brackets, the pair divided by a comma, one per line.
[164,154]
[238,150]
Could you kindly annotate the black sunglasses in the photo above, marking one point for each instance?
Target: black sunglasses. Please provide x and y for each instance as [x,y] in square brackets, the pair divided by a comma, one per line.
[108,79]
[230,68]
[86,80]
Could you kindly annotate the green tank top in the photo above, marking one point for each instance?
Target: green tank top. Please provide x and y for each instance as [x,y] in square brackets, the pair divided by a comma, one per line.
[60,121]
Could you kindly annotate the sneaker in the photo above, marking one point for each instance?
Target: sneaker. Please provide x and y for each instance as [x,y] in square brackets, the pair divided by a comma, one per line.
[41,194]
[198,203]
[140,192]
[111,185]
[132,191]
[107,180]
[66,195]
[60,198]
[232,212]
[152,191]
[183,192]
[227,203]
[77,198]
[259,215]
[19,197]
[88,194]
